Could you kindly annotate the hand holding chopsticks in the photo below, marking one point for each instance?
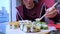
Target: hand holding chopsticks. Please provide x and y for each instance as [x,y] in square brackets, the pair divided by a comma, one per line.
[49,9]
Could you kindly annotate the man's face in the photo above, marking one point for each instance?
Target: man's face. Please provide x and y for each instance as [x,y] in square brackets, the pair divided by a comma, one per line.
[28,2]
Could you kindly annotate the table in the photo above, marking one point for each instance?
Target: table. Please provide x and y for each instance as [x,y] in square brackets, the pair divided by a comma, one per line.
[18,31]
[3,27]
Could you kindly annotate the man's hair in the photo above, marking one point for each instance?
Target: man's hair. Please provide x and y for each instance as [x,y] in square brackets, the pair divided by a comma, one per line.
[21,1]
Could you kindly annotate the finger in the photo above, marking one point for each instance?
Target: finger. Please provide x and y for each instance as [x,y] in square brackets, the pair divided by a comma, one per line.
[54,9]
[49,9]
[50,16]
[52,12]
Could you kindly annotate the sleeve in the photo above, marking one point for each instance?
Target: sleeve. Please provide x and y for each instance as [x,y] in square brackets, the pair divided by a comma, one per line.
[49,3]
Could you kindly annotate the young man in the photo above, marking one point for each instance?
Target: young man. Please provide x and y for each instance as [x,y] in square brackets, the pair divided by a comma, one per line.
[30,10]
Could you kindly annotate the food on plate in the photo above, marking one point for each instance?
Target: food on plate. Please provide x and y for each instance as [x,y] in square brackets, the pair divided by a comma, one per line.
[44,26]
[29,26]
[36,29]
[14,24]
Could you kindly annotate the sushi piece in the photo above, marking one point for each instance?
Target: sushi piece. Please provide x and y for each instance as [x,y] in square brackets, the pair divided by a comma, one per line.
[15,24]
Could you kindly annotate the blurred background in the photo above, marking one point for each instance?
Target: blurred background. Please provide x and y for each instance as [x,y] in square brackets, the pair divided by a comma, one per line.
[8,12]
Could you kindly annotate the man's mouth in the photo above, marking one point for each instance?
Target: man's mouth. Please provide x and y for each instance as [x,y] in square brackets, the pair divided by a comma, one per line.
[29,4]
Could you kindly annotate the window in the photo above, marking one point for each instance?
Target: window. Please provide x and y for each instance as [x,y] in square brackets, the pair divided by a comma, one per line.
[5,13]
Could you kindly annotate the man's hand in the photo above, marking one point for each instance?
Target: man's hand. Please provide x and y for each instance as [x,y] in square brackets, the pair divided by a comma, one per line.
[52,13]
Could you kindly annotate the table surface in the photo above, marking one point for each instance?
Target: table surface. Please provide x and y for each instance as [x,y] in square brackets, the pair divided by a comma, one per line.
[3,27]
[18,31]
